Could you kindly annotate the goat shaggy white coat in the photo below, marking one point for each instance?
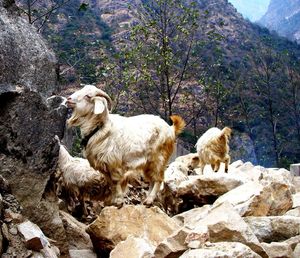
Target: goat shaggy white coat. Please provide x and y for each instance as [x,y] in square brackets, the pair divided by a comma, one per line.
[123,146]
[212,148]
[81,182]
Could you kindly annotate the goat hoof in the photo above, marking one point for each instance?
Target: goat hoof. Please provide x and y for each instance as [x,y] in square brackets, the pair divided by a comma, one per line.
[148,203]
[118,202]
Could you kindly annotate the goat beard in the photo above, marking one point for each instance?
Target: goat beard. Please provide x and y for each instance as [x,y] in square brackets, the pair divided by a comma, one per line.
[73,120]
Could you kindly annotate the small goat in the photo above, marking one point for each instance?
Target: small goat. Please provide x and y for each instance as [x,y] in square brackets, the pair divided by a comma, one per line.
[79,180]
[121,146]
[212,148]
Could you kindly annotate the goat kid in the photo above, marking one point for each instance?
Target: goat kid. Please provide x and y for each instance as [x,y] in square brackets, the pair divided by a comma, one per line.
[122,146]
[79,180]
[212,148]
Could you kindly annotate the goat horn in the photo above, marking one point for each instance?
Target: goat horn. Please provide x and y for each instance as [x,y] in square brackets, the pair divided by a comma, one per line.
[105,95]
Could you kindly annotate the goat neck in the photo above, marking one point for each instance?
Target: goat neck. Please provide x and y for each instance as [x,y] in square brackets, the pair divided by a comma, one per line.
[91,122]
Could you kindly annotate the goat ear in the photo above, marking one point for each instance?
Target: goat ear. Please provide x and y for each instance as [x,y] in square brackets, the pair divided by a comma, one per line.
[99,105]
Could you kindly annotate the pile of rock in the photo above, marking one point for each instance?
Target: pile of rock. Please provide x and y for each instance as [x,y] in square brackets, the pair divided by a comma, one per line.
[249,212]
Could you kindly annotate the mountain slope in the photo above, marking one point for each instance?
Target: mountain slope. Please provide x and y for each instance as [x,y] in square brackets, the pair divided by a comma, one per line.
[243,76]
[284,18]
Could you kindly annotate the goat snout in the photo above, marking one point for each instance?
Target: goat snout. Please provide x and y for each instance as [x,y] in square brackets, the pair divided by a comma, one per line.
[70,103]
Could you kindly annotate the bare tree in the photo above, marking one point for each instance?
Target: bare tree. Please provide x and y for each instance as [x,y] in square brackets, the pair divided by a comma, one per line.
[38,12]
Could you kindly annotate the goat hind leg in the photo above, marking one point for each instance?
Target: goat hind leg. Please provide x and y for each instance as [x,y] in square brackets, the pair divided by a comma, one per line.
[119,196]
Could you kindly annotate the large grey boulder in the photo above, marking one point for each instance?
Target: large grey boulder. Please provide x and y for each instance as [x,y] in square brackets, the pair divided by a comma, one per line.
[25,58]
[28,155]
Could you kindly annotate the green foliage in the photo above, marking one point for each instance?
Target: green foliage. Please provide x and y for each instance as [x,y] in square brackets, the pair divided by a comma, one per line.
[157,57]
[83,7]
[75,44]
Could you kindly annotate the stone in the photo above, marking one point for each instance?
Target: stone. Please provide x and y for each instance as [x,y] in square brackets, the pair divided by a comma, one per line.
[28,157]
[1,204]
[28,153]
[296,200]
[10,216]
[133,247]
[46,216]
[197,190]
[274,228]
[278,175]
[4,186]
[82,253]
[1,243]
[174,245]
[25,58]
[221,250]
[295,169]
[275,250]
[296,252]
[246,171]
[33,236]
[281,196]
[294,212]
[296,183]
[249,199]
[75,231]
[293,241]
[191,217]
[255,199]
[223,223]
[114,225]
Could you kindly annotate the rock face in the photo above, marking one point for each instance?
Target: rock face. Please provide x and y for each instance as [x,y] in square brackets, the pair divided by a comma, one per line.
[284,18]
[25,58]
[222,249]
[28,155]
[28,151]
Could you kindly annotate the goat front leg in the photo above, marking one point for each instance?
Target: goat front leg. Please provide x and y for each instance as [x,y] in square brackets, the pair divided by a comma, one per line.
[217,166]
[153,190]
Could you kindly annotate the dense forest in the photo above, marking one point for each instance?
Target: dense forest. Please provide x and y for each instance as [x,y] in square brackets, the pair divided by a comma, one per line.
[199,59]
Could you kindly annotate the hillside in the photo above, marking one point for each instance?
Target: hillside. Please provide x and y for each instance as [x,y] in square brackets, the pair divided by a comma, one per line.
[237,74]
[284,18]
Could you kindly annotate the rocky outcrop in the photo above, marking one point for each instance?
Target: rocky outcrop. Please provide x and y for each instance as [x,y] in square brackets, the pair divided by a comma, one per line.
[25,58]
[252,218]
[28,151]
[284,18]
[28,155]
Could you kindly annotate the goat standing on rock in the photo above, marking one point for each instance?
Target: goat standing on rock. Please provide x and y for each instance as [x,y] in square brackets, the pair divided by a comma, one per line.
[212,148]
[81,182]
[121,146]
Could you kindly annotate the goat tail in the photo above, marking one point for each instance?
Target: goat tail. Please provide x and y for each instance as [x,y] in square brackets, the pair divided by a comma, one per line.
[178,124]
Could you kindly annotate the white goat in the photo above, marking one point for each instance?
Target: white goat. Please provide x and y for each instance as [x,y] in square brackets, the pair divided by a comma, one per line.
[212,148]
[121,146]
[81,182]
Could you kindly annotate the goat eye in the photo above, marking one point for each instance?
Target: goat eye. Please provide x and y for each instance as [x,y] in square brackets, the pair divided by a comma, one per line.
[87,97]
